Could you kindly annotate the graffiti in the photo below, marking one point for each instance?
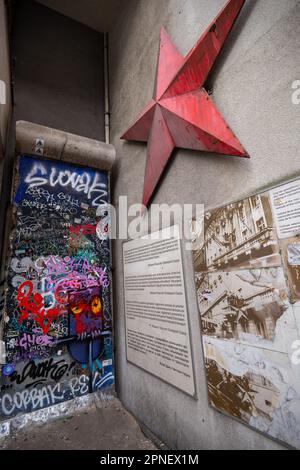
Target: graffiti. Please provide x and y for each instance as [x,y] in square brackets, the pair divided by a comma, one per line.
[104,224]
[87,229]
[80,281]
[8,369]
[78,237]
[86,308]
[33,204]
[48,395]
[29,341]
[79,385]
[32,307]
[99,380]
[32,399]
[56,265]
[39,175]
[27,231]
[61,198]
[67,275]
[40,372]
[22,265]
[62,203]
[57,300]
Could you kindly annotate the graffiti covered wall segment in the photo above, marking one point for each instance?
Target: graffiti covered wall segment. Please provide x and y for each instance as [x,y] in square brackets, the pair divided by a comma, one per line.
[57,320]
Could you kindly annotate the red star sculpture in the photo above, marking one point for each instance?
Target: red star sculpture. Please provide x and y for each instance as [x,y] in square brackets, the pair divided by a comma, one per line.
[182,114]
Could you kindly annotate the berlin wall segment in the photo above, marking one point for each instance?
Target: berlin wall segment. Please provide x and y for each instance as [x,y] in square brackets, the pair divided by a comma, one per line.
[57,316]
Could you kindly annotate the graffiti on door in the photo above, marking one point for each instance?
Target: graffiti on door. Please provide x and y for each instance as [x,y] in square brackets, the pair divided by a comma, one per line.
[56,319]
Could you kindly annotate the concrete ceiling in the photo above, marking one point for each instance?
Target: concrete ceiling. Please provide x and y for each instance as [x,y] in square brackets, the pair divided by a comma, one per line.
[97,14]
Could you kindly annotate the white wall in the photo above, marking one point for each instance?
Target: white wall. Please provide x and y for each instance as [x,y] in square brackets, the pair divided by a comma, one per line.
[252,88]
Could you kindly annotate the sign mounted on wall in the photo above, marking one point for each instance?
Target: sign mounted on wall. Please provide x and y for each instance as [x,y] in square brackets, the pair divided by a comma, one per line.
[182,114]
[247,274]
[157,329]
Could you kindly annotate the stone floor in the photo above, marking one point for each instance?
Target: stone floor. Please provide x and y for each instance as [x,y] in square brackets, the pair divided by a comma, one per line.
[105,427]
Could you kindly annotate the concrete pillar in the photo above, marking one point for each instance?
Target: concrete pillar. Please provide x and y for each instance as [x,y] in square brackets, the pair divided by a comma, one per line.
[42,141]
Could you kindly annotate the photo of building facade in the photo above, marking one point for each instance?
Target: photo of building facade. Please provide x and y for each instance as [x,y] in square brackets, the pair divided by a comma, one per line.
[241,234]
[241,302]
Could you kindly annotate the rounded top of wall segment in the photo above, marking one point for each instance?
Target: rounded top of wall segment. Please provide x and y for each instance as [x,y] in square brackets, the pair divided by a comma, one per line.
[38,140]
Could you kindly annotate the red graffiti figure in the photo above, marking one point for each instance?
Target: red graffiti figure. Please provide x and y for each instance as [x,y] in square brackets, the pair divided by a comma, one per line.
[32,307]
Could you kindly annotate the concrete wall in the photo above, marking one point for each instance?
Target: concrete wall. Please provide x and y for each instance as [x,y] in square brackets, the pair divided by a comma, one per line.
[58,71]
[97,14]
[5,109]
[252,88]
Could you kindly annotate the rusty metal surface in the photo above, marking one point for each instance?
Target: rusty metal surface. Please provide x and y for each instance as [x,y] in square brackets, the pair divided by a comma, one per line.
[182,114]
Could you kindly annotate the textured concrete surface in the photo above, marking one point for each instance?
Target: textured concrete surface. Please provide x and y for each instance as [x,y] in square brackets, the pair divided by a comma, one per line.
[5,109]
[252,86]
[59,145]
[97,14]
[59,79]
[109,427]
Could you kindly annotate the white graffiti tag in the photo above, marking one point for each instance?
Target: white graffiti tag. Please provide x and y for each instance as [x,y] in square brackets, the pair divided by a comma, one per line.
[91,186]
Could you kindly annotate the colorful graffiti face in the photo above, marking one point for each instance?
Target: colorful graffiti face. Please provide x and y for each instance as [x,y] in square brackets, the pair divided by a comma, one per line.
[86,308]
[58,337]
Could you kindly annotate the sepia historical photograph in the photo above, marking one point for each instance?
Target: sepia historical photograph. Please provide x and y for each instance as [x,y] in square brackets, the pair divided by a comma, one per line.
[258,386]
[291,257]
[234,305]
[240,235]
[241,396]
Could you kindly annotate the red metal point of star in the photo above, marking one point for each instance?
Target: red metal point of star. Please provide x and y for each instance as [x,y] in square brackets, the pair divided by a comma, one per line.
[182,114]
